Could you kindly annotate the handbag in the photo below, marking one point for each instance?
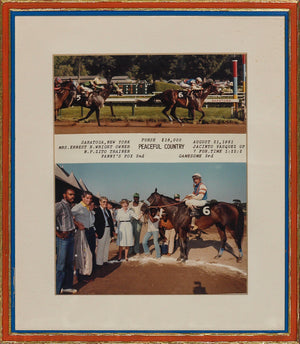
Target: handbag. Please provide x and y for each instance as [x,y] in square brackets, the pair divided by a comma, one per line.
[83,254]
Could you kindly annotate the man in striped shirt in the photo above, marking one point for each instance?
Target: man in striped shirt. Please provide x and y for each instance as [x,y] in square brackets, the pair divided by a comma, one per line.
[197,198]
[65,229]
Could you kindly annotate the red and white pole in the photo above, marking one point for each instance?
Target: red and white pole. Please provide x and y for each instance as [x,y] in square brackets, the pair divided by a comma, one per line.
[235,86]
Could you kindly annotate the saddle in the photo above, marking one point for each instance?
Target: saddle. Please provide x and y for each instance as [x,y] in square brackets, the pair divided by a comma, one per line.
[204,210]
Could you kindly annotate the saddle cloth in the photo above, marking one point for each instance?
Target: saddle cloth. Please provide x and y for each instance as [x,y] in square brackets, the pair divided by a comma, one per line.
[203,210]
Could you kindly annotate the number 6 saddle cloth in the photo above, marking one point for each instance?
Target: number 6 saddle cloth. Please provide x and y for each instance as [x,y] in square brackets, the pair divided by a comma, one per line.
[203,210]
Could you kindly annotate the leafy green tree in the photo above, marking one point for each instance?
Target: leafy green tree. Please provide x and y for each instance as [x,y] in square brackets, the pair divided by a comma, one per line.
[149,67]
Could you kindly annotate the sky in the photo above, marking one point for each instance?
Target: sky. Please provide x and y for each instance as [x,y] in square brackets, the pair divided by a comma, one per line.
[224,181]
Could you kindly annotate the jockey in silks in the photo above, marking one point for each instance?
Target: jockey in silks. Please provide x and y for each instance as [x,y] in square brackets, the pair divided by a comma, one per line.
[91,85]
[195,85]
[197,198]
[57,83]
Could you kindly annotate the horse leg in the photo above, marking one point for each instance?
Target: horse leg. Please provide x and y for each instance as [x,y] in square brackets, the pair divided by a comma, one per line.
[173,114]
[87,116]
[164,111]
[238,241]
[203,114]
[191,113]
[221,231]
[183,245]
[98,116]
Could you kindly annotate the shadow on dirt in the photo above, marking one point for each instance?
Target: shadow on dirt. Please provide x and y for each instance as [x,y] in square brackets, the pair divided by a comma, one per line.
[200,243]
[198,289]
[99,272]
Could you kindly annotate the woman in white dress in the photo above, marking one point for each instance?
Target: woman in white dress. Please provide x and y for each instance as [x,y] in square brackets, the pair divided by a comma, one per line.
[125,234]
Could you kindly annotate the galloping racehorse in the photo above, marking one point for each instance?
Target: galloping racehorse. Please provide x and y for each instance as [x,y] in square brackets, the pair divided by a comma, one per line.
[223,215]
[178,98]
[95,100]
[64,96]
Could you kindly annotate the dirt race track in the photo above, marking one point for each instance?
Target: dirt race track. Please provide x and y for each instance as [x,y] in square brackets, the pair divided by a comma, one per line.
[201,274]
[68,127]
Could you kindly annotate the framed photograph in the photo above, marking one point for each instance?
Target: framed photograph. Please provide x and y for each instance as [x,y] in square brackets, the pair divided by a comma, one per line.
[149,172]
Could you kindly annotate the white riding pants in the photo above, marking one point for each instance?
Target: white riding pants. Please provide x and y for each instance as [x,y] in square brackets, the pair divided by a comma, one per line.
[195,203]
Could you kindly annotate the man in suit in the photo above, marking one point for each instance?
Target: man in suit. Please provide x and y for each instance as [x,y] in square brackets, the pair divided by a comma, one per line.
[104,231]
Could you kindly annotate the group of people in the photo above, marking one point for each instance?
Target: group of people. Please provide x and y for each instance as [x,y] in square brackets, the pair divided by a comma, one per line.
[84,231]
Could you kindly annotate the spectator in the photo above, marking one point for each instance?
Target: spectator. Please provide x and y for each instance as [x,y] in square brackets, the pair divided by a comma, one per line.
[104,231]
[177,197]
[84,219]
[153,222]
[136,205]
[113,212]
[125,235]
[65,229]
[166,226]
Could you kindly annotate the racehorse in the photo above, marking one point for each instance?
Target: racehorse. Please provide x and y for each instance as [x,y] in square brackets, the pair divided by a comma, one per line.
[192,100]
[95,100]
[64,96]
[223,215]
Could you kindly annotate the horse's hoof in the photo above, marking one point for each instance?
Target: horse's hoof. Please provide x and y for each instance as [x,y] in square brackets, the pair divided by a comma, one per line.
[184,260]
[217,256]
[239,260]
[178,259]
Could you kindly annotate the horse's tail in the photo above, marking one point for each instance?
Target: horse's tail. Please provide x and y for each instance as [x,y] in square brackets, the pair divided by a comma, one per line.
[150,101]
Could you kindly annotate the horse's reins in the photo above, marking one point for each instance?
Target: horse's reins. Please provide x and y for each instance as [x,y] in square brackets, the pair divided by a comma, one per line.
[165,206]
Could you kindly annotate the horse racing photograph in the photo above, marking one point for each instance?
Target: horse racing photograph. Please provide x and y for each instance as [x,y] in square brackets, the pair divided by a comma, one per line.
[151,229]
[150,93]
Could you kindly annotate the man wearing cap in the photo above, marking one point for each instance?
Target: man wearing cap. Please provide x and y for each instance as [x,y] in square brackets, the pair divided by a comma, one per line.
[57,83]
[199,82]
[177,197]
[198,197]
[92,85]
[136,205]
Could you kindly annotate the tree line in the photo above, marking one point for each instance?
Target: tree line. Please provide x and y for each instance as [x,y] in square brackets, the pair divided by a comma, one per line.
[149,67]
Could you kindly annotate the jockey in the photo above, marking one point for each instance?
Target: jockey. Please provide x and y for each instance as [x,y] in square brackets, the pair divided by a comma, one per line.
[199,82]
[195,85]
[57,83]
[197,198]
[184,85]
[91,85]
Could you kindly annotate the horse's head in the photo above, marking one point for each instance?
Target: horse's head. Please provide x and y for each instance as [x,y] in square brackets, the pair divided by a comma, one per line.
[154,198]
[210,87]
